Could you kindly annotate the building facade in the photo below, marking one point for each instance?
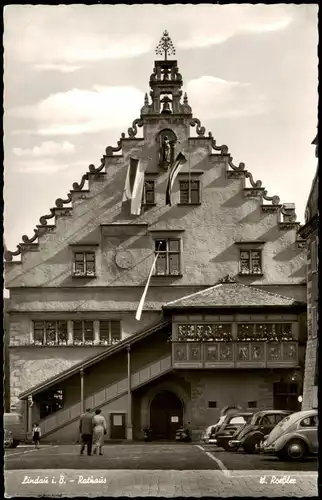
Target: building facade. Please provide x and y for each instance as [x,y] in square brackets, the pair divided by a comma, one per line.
[224,320]
[309,232]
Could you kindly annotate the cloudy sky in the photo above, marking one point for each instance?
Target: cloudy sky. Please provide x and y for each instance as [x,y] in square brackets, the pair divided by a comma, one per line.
[75,78]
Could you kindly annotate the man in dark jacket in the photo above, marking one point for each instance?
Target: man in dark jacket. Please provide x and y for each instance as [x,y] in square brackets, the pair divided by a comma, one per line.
[86,431]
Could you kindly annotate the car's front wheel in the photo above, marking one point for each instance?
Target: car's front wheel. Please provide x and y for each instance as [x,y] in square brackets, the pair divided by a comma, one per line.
[295,450]
[229,447]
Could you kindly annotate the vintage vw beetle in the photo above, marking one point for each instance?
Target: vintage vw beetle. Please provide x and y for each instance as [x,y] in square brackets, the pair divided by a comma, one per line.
[295,437]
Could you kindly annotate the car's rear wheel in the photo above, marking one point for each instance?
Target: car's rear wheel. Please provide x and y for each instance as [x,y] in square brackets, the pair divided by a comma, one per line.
[295,449]
[251,445]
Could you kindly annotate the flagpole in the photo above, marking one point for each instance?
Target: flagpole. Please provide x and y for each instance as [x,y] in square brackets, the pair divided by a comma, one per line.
[141,303]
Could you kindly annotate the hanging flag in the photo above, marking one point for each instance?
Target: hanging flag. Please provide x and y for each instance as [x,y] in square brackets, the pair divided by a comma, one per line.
[130,178]
[134,183]
[175,169]
[141,303]
[136,201]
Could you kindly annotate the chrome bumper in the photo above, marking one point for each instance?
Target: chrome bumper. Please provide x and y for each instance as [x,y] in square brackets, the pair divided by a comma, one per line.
[233,442]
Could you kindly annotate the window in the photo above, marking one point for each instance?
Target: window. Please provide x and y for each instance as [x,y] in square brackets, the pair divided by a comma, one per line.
[189,191]
[148,196]
[50,332]
[168,262]
[273,332]
[212,404]
[250,262]
[314,256]
[110,332]
[83,332]
[309,421]
[252,404]
[84,264]
[50,402]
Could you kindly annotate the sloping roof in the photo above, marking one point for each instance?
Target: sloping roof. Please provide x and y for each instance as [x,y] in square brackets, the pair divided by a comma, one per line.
[233,295]
[93,359]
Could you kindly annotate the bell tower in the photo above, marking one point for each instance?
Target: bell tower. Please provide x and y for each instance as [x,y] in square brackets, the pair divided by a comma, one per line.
[166,83]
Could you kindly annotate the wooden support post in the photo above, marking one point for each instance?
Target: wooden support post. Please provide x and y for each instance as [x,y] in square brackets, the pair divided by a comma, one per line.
[30,405]
[82,391]
[129,428]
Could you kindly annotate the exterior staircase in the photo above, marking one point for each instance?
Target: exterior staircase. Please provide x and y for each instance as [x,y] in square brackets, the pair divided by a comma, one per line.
[66,416]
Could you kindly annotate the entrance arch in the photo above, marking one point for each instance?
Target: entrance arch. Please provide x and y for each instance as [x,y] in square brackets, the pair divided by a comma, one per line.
[166,415]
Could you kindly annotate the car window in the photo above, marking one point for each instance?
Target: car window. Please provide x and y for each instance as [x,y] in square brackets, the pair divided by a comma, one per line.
[268,420]
[237,420]
[309,421]
[279,418]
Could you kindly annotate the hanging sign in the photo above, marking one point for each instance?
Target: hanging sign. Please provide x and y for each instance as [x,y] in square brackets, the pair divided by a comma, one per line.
[174,420]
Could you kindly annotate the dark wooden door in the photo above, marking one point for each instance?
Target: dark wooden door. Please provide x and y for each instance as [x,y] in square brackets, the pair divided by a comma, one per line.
[118,430]
[166,415]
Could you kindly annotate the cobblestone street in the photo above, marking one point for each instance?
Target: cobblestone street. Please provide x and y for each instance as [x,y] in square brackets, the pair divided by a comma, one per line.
[174,470]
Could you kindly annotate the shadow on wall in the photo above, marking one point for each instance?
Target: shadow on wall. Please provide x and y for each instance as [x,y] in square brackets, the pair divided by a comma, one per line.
[230,254]
[252,218]
[299,273]
[235,201]
[219,182]
[288,253]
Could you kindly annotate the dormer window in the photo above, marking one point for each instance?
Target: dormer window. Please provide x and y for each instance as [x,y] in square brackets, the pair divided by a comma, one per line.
[84,264]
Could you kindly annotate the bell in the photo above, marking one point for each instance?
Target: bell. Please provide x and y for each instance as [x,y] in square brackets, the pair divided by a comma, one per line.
[166,106]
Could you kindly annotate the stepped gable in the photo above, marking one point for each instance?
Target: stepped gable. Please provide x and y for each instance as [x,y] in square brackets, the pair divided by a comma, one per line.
[232,294]
[165,80]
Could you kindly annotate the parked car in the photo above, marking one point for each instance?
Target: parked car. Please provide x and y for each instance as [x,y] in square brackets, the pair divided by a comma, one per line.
[252,434]
[231,425]
[14,423]
[206,434]
[8,439]
[295,437]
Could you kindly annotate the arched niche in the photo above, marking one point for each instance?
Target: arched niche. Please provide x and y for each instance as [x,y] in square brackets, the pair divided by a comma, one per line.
[166,140]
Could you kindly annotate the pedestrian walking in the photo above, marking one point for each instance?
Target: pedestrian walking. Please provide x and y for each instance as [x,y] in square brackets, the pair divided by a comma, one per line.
[86,431]
[99,431]
[36,435]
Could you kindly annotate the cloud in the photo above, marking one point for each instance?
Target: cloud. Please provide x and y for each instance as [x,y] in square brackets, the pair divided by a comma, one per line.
[230,20]
[225,99]
[47,148]
[79,111]
[63,68]
[49,166]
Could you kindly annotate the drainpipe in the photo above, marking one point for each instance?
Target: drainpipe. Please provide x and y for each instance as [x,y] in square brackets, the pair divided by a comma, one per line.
[129,429]
[82,390]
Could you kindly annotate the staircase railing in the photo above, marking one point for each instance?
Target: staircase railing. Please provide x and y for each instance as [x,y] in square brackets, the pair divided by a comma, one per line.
[100,398]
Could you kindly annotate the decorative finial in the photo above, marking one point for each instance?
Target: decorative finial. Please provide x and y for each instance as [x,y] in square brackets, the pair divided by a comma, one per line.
[165,46]
[185,98]
[146,100]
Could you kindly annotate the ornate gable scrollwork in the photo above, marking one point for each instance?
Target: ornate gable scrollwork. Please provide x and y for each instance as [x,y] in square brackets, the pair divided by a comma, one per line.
[199,129]
[241,166]
[110,149]
[132,131]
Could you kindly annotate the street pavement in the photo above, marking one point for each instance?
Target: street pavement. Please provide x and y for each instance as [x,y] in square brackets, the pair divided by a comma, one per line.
[149,469]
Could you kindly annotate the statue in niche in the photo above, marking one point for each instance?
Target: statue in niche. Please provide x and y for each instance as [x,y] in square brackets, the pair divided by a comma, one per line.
[166,149]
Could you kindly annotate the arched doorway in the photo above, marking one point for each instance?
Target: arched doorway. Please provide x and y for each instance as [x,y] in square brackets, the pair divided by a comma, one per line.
[166,415]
